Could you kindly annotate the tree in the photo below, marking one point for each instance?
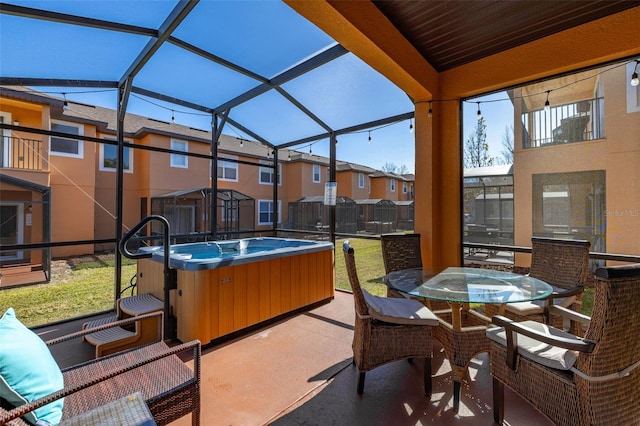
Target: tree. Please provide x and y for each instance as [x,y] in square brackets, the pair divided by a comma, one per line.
[507,146]
[392,168]
[476,148]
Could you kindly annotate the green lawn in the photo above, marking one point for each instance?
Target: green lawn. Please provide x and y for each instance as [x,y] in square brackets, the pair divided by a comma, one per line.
[88,289]
[369,263]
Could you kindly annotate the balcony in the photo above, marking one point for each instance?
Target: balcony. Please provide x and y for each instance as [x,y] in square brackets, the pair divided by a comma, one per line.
[573,122]
[20,153]
[299,371]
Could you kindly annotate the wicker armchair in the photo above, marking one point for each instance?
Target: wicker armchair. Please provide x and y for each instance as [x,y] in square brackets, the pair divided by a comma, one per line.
[402,251]
[170,388]
[388,329]
[564,265]
[576,381]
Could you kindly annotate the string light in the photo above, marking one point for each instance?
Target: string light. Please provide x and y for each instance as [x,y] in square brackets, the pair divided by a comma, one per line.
[173,117]
[411,125]
[289,156]
[430,110]
[369,136]
[547,105]
[65,105]
[634,77]
[479,112]
[241,143]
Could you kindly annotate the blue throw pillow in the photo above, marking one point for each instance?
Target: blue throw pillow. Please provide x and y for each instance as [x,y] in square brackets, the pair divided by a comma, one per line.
[28,370]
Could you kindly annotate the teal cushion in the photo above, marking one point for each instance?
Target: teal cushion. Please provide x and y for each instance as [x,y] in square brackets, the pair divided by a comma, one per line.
[28,370]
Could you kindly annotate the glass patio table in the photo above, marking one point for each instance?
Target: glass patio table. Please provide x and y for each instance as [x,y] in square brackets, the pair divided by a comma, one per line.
[462,331]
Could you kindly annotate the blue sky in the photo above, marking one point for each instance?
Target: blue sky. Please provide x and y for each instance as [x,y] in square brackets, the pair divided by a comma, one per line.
[265,37]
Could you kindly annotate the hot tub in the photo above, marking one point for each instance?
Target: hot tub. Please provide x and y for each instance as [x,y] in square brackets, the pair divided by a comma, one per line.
[226,286]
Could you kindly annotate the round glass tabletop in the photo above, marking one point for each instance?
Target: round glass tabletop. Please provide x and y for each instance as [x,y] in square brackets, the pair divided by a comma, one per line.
[473,285]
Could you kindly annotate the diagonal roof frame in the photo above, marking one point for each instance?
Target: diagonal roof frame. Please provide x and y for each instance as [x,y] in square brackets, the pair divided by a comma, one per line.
[162,35]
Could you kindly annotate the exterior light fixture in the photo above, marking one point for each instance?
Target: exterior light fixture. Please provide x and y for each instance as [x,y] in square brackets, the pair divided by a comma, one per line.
[430,110]
[634,77]
[547,105]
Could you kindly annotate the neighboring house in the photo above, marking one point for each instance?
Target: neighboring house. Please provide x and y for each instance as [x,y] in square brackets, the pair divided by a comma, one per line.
[575,168]
[392,186]
[63,189]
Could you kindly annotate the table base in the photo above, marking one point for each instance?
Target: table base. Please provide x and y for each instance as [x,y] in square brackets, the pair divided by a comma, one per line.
[461,345]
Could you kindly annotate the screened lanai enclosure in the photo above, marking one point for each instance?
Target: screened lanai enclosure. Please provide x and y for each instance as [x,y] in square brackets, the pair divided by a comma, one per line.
[310,213]
[488,205]
[377,216]
[189,213]
[135,71]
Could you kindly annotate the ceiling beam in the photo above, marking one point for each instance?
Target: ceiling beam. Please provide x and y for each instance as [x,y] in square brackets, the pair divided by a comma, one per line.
[174,19]
[63,18]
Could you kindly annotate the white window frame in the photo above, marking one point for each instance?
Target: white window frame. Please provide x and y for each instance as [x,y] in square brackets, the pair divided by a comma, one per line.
[392,185]
[315,173]
[80,142]
[269,171]
[633,92]
[127,149]
[360,180]
[269,202]
[404,187]
[227,165]
[177,160]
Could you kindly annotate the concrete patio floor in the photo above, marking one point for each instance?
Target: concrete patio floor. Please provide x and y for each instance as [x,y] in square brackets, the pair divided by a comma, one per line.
[299,372]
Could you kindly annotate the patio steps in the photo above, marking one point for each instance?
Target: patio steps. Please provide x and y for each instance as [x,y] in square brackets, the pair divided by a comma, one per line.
[18,275]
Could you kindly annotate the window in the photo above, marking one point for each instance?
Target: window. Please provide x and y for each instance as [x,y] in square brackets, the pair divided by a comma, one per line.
[316,173]
[360,180]
[404,187]
[63,146]
[177,160]
[108,158]
[265,212]
[266,173]
[228,170]
[392,185]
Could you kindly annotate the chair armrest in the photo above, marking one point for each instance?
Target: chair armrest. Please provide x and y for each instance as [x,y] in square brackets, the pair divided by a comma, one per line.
[87,331]
[513,328]
[568,314]
[548,302]
[194,345]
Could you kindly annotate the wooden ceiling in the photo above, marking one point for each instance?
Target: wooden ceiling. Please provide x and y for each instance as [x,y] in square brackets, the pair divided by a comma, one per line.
[450,33]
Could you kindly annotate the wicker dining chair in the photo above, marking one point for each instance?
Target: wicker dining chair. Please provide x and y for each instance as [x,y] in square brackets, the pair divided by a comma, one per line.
[576,381]
[402,251]
[564,265]
[388,329]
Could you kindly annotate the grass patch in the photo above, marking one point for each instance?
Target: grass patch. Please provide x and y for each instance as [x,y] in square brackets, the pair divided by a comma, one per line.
[89,289]
[368,254]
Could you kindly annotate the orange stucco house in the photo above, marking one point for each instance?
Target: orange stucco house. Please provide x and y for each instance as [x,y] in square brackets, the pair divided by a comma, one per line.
[58,189]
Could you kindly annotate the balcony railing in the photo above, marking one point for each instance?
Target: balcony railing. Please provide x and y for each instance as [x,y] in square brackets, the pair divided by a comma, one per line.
[20,153]
[561,124]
